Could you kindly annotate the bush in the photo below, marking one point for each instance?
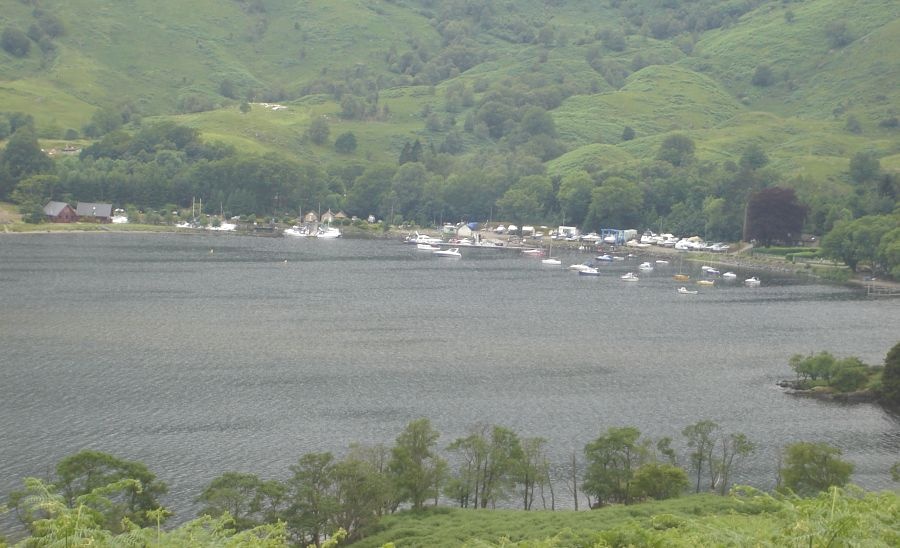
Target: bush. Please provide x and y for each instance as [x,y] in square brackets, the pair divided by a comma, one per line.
[849,379]
[15,42]
[345,143]
[763,76]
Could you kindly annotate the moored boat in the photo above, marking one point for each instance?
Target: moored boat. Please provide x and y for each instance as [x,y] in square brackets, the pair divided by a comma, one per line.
[686,291]
[452,253]
[630,277]
[328,232]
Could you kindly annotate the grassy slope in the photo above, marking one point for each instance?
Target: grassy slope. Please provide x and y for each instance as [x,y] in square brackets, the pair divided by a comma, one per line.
[451,527]
[849,515]
[795,124]
[151,54]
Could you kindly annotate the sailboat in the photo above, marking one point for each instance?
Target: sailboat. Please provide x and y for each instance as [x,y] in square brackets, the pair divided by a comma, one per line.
[681,277]
[550,261]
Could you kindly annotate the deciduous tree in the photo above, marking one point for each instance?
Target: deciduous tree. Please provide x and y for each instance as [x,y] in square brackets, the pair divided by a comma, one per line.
[318,130]
[249,501]
[310,498]
[21,158]
[82,473]
[415,466]
[808,468]
[677,149]
[611,462]
[660,481]
[774,215]
[890,378]
[701,437]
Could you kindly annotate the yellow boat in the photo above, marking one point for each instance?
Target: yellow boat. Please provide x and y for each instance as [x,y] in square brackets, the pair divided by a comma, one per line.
[681,277]
[706,282]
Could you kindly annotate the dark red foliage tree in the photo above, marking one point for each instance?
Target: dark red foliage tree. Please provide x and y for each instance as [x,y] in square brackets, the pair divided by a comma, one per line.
[774,215]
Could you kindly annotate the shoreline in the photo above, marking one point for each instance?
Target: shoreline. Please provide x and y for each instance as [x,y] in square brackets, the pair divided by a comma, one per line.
[737,259]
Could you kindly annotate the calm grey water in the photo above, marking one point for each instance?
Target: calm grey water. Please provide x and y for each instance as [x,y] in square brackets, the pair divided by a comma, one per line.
[203,354]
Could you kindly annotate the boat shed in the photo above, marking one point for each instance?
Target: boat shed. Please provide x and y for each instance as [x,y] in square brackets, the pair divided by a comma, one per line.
[60,212]
[91,212]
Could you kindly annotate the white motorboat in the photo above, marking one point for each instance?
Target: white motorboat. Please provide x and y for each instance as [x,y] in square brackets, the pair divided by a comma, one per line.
[607,258]
[297,231]
[423,239]
[452,253]
[533,252]
[646,267]
[661,261]
[630,277]
[752,282]
[580,267]
[328,232]
[551,261]
[686,291]
[729,276]
[427,247]
[589,271]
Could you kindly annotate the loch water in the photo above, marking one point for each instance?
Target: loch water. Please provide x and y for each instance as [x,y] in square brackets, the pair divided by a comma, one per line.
[201,354]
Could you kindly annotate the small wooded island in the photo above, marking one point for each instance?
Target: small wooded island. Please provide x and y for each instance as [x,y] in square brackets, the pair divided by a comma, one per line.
[822,375]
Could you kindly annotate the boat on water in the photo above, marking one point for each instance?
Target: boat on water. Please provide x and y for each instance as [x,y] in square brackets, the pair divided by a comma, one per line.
[417,238]
[707,283]
[604,257]
[550,260]
[427,247]
[681,277]
[729,276]
[752,282]
[686,291]
[580,267]
[630,277]
[533,252]
[297,231]
[328,232]
[709,271]
[646,267]
[661,261]
[452,253]
[589,271]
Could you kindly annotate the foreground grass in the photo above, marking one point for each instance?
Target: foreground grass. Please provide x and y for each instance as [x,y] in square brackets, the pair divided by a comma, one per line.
[438,527]
[848,517]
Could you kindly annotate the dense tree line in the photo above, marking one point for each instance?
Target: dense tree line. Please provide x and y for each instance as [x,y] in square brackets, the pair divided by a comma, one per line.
[152,166]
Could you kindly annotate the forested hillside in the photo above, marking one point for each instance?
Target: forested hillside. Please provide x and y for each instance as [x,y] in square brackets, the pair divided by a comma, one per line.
[668,114]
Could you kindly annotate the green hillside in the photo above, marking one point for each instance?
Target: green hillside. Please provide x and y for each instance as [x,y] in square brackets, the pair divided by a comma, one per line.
[157,58]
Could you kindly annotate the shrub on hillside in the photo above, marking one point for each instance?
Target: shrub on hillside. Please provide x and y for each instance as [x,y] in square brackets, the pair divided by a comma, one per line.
[15,42]
[763,76]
